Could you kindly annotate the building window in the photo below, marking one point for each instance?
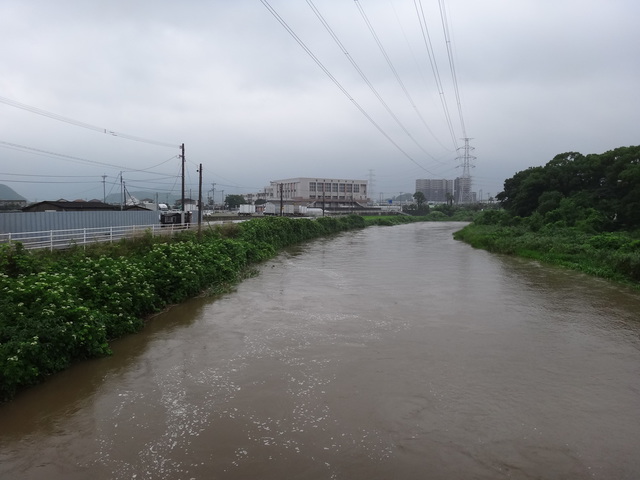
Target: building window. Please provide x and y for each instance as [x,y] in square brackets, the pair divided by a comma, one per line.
[312,186]
[334,187]
[356,188]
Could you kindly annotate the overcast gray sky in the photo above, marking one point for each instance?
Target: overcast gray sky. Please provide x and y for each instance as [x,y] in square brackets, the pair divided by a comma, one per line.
[535,78]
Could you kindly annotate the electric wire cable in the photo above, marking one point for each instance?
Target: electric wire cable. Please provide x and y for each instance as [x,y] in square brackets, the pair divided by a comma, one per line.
[79,123]
[337,83]
[454,77]
[393,69]
[368,82]
[74,159]
[422,19]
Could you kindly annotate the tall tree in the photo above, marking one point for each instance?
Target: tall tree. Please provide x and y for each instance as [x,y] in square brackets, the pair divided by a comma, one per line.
[572,187]
[234,201]
[420,199]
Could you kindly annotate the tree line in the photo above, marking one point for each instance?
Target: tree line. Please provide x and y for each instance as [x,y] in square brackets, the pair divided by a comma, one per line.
[578,211]
[598,192]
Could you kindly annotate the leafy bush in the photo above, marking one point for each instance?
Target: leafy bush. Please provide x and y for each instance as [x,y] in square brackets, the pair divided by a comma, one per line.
[610,255]
[56,308]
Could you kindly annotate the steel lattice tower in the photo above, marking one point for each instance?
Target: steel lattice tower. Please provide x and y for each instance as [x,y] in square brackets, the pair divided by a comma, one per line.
[465,195]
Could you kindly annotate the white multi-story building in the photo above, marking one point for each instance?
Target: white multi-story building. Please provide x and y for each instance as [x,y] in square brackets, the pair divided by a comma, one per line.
[331,192]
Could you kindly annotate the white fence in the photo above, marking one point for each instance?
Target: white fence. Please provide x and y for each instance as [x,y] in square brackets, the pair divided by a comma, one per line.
[60,239]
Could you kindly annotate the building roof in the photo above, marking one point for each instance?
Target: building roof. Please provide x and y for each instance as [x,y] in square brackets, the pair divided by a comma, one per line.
[8,193]
[71,206]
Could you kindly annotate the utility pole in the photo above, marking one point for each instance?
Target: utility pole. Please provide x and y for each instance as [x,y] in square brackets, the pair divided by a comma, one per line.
[104,191]
[183,160]
[281,200]
[200,201]
[464,194]
[352,206]
[213,196]
[323,184]
[122,192]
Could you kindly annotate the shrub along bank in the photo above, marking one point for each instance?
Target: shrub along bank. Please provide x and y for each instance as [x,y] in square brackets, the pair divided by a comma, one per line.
[578,211]
[611,255]
[60,307]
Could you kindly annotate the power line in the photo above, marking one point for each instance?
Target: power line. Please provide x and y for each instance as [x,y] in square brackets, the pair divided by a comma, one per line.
[42,181]
[366,80]
[337,83]
[48,153]
[155,166]
[78,123]
[434,66]
[415,60]
[48,176]
[445,28]
[395,74]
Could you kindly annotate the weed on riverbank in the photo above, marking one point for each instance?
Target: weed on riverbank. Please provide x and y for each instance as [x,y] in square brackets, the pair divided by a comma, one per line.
[610,255]
[64,306]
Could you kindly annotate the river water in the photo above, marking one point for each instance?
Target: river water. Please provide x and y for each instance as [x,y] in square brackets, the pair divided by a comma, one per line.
[386,353]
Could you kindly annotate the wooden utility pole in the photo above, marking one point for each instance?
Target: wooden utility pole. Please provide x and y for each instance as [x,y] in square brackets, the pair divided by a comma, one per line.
[182,157]
[122,199]
[200,201]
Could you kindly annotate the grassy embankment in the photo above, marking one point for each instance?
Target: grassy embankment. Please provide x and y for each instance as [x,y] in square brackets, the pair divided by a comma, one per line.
[611,255]
[63,306]
[60,307]
[577,211]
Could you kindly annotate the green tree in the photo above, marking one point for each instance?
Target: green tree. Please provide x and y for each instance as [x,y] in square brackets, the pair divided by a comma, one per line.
[521,192]
[420,199]
[449,197]
[234,201]
[594,191]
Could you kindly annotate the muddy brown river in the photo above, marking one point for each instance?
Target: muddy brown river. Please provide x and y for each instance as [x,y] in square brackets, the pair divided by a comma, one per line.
[386,353]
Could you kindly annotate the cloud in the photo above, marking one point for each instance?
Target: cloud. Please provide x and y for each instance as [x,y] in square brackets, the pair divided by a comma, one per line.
[535,78]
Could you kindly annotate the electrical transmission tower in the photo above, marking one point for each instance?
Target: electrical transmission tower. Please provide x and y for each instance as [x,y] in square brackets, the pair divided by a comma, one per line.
[465,195]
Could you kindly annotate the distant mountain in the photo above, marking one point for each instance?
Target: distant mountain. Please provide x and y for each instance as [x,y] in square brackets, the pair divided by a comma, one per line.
[8,193]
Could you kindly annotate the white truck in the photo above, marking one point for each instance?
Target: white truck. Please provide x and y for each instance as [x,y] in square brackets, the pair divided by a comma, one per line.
[247,210]
[270,209]
[314,212]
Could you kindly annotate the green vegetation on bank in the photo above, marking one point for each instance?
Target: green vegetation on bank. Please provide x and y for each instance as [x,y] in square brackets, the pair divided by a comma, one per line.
[424,213]
[577,211]
[63,306]
[60,307]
